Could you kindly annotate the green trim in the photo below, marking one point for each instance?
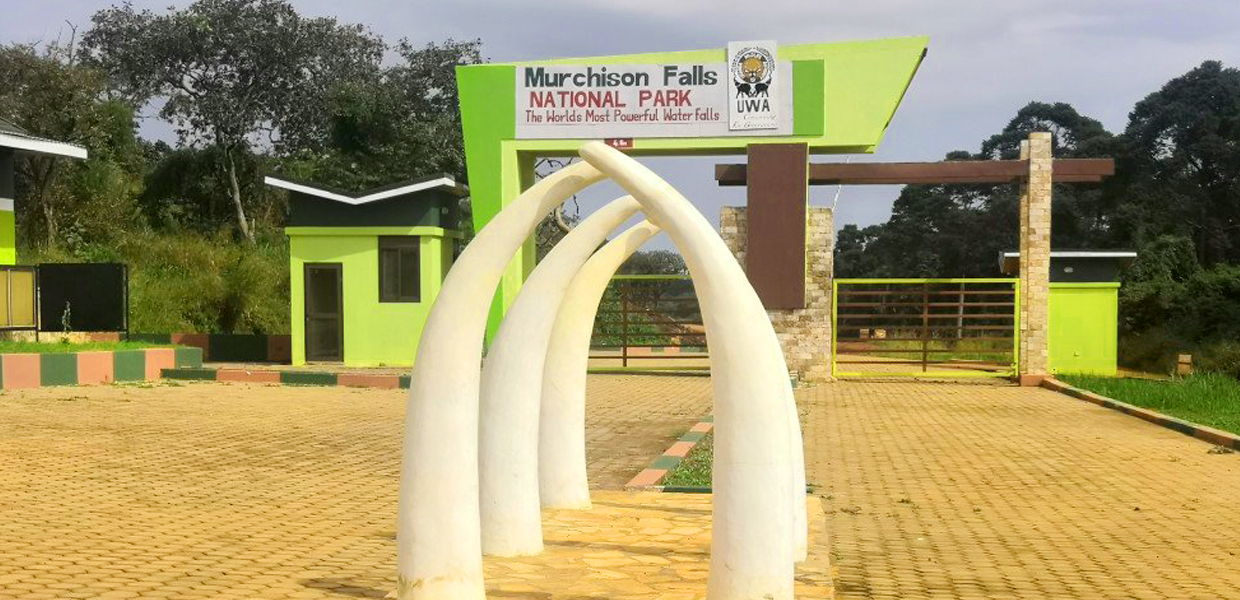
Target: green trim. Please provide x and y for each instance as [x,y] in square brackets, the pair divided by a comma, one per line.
[1079,284]
[929,280]
[190,374]
[807,97]
[129,365]
[364,231]
[58,369]
[299,378]
[926,374]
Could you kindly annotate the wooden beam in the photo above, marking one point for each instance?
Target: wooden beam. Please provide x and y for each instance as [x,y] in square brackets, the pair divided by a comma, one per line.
[1066,170]
[775,243]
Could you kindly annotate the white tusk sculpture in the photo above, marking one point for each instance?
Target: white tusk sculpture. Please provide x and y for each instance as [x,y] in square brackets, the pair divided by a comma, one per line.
[562,480]
[512,383]
[752,545]
[439,554]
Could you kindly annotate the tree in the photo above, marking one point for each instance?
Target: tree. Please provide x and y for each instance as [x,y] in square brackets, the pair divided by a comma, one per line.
[231,74]
[62,197]
[958,230]
[1180,169]
[654,262]
[400,123]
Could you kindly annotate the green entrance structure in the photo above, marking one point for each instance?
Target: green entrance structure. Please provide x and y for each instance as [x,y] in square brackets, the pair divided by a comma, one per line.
[831,97]
[365,268]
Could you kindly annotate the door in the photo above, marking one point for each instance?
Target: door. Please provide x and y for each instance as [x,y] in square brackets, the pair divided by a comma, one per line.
[324,312]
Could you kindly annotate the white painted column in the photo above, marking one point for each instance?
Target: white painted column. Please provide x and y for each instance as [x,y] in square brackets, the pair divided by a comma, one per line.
[439,555]
[512,389]
[562,480]
[752,553]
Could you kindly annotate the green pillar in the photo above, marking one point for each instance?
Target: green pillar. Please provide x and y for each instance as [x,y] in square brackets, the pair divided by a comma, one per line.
[8,224]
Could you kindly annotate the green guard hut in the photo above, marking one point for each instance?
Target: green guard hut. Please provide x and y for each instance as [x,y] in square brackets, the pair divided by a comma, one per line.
[365,268]
[1084,308]
[16,142]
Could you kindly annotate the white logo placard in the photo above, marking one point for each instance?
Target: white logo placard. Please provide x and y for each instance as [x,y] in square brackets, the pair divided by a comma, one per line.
[753,90]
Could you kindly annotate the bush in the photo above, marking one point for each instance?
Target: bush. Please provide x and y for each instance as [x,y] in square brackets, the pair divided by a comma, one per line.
[191,282]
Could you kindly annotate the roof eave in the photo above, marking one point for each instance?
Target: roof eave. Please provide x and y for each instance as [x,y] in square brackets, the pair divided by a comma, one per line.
[40,146]
[445,182]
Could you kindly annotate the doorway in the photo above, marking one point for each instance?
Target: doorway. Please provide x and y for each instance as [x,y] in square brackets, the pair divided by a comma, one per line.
[324,312]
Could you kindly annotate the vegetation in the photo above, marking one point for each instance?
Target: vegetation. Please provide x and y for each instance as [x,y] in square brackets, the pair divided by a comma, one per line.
[250,87]
[1209,399]
[694,470]
[20,347]
[1175,199]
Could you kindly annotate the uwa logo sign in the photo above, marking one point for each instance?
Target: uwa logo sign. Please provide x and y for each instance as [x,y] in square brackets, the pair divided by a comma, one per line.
[752,95]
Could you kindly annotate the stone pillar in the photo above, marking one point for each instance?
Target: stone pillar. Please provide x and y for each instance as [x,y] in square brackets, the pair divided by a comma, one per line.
[1035,257]
[804,333]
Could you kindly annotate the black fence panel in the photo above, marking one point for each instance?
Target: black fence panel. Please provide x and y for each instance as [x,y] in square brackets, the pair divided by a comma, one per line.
[83,297]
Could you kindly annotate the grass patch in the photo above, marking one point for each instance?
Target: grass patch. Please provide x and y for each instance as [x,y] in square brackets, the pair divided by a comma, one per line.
[694,470]
[19,347]
[945,351]
[1207,399]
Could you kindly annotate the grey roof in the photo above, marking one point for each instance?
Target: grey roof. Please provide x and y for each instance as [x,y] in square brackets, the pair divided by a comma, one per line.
[12,136]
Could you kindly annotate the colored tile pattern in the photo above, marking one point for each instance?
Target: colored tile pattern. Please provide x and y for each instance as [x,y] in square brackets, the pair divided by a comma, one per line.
[20,371]
[650,477]
[94,368]
[57,369]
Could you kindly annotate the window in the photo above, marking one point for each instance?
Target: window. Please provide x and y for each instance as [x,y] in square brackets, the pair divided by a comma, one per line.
[400,275]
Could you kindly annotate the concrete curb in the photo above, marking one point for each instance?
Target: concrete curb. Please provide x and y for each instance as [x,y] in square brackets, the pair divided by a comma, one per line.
[290,377]
[1201,432]
[92,367]
[648,479]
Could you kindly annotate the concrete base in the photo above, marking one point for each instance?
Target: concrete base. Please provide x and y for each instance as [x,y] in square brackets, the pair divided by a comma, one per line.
[638,546]
[1031,380]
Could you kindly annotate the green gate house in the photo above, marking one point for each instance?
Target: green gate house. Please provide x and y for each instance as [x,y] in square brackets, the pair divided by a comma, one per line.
[365,268]
[14,143]
[1084,308]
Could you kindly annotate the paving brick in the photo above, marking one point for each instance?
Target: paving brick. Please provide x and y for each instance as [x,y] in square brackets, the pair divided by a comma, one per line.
[985,491]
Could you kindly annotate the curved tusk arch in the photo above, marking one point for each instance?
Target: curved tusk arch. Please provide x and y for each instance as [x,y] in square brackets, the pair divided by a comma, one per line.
[512,380]
[562,480]
[751,553]
[439,555]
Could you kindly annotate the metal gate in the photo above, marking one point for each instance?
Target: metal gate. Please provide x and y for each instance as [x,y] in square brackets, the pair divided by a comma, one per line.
[649,322]
[940,328]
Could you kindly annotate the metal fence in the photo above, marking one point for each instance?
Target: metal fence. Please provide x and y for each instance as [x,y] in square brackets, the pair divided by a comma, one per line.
[649,322]
[925,327]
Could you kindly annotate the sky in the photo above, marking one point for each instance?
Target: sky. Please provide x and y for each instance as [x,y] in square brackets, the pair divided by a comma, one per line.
[986,59]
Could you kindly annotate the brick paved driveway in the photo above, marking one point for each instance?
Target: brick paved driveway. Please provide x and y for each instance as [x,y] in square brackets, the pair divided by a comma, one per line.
[972,491]
[239,491]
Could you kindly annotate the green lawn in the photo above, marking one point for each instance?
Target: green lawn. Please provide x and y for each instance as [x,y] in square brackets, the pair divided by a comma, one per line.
[694,470]
[1207,399]
[18,347]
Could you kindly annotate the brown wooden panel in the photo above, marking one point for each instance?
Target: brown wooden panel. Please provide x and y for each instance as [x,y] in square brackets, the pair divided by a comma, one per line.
[1066,170]
[775,251]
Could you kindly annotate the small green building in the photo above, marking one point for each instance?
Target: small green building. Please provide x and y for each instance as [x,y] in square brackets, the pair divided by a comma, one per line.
[365,268]
[14,143]
[1084,308]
